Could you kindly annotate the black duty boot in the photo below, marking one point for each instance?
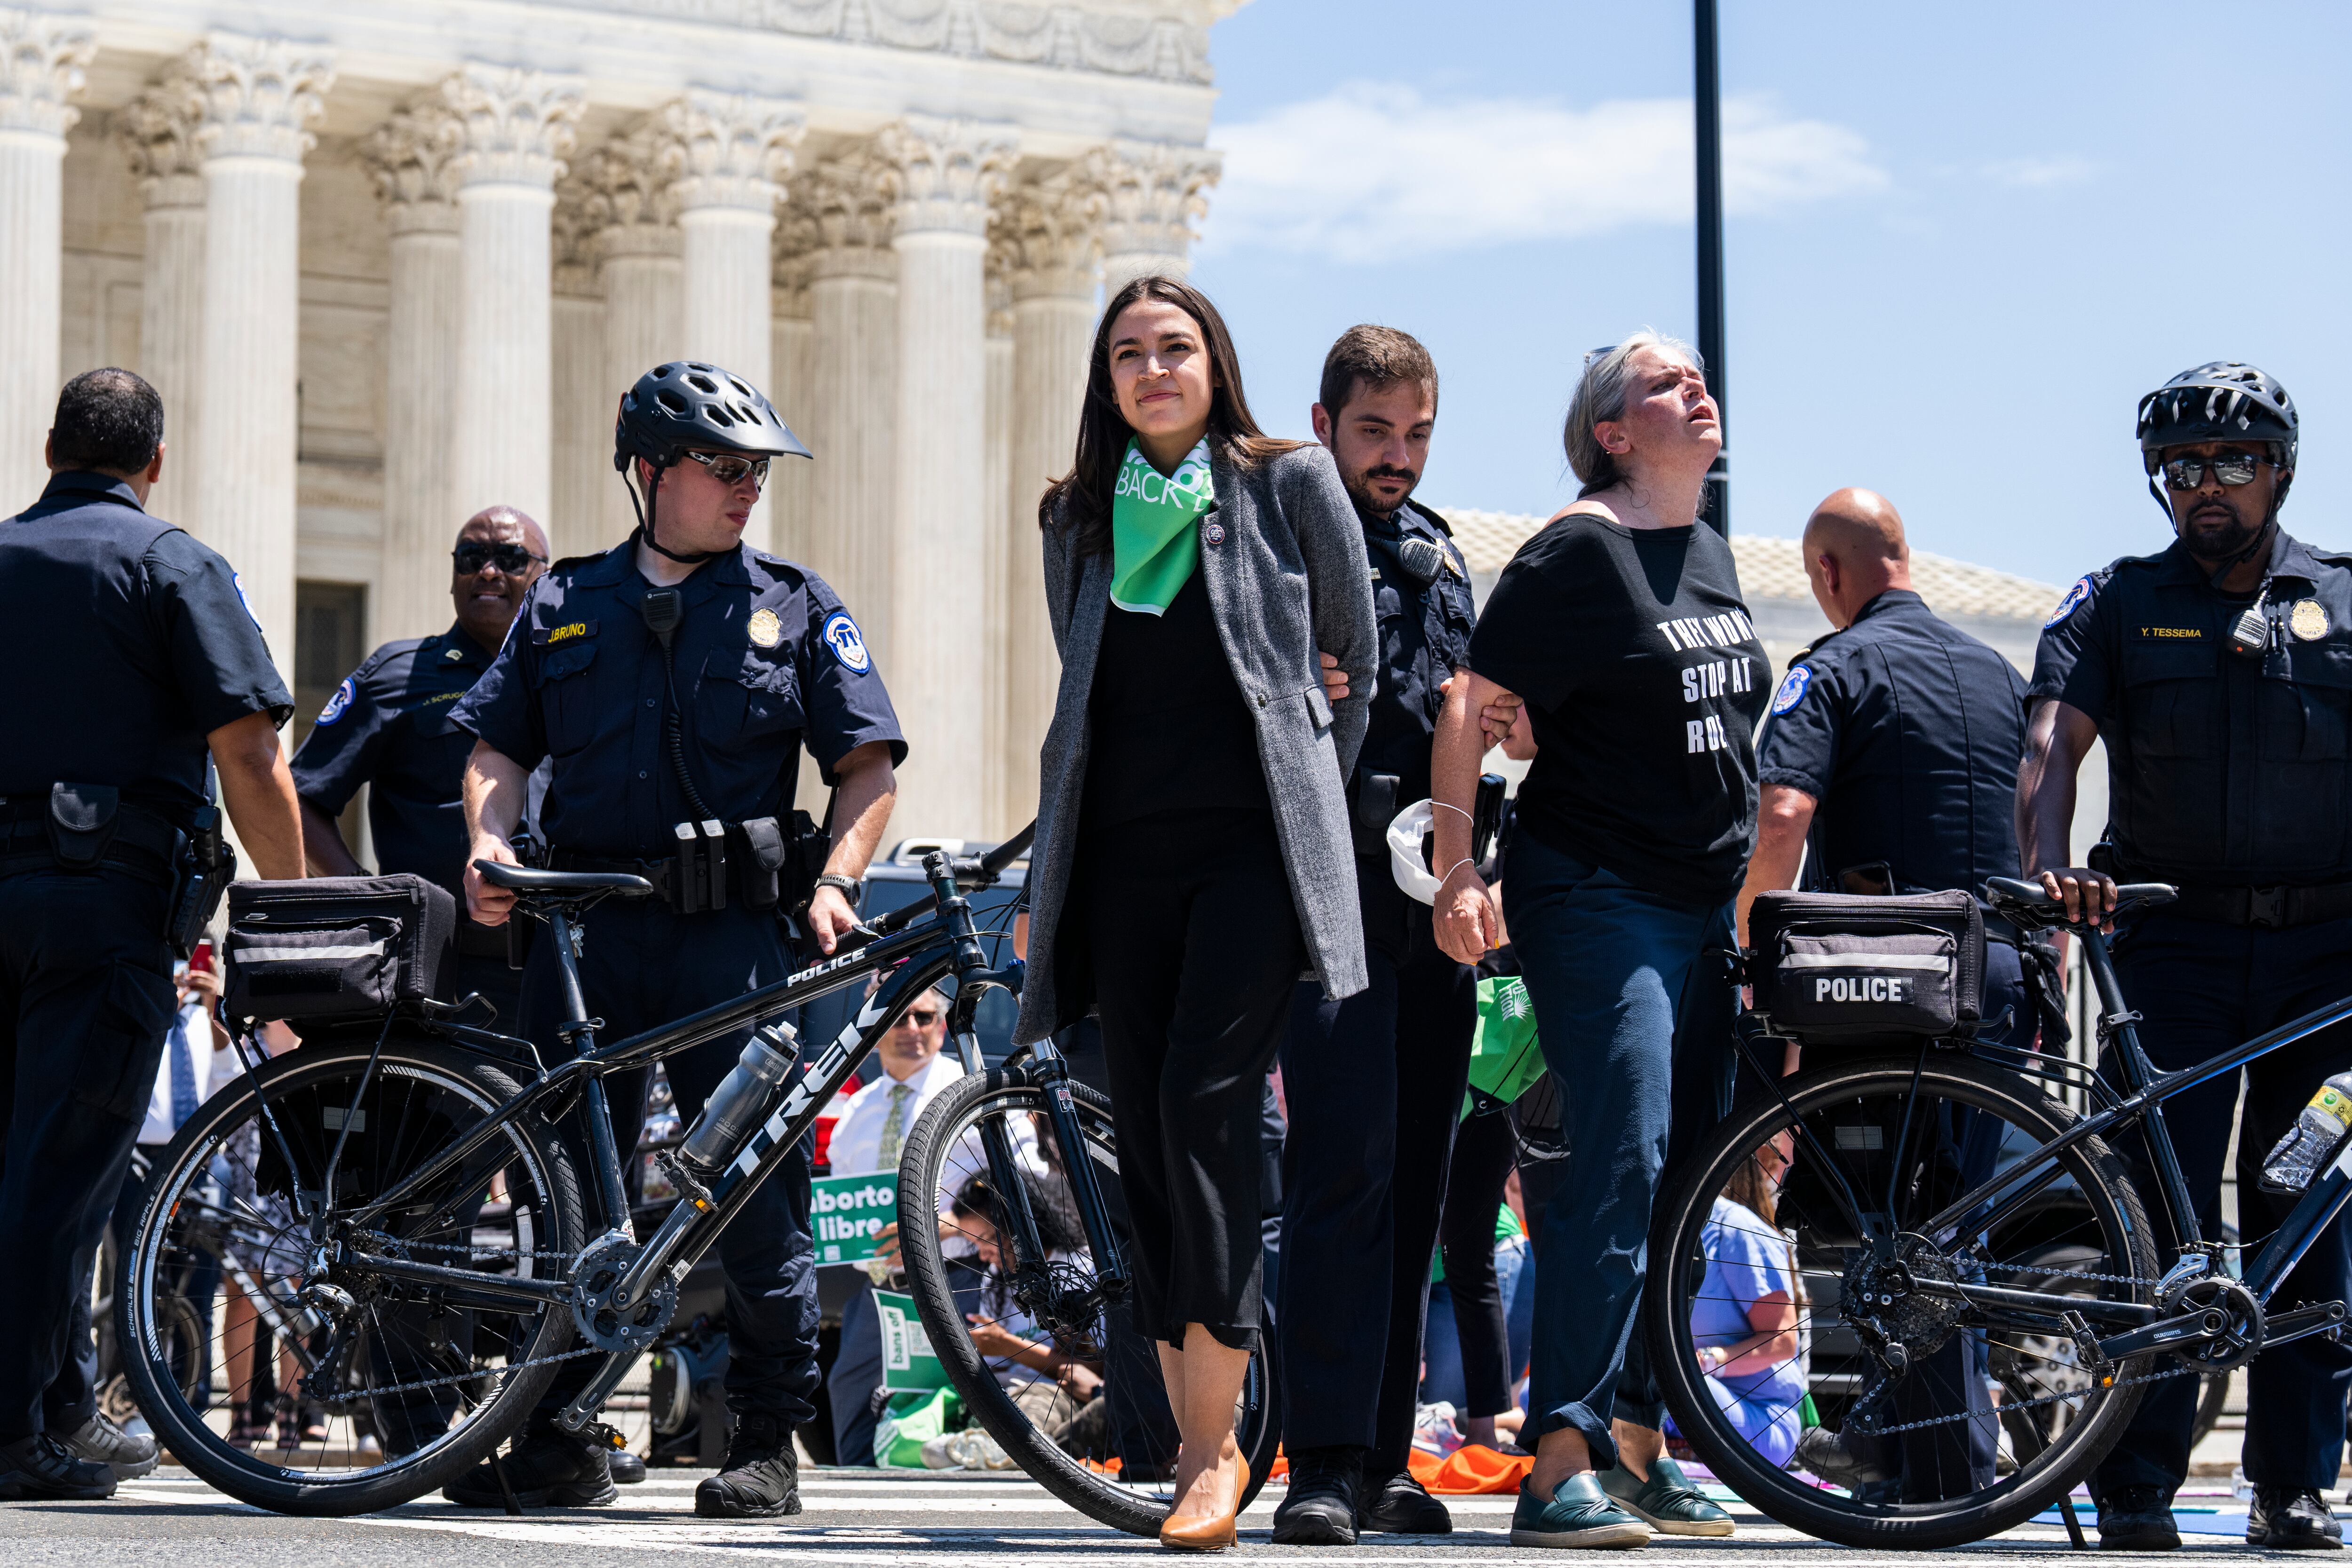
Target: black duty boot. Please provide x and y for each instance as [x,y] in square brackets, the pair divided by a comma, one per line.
[761,1478]
[2292,1518]
[546,1467]
[1320,1510]
[39,1468]
[627,1469]
[2139,1519]
[102,1442]
[1400,1505]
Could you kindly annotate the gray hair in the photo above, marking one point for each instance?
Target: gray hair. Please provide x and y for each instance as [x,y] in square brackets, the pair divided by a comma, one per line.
[1600,395]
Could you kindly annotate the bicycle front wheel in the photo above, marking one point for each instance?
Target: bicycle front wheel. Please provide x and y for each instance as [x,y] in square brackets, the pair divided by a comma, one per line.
[1918,1393]
[319,1387]
[969,1287]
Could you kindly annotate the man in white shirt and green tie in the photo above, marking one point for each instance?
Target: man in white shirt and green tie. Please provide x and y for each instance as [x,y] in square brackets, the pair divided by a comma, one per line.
[867,1139]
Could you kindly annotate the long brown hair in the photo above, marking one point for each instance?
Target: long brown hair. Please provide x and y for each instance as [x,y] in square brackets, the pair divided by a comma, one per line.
[1751,1189]
[1083,495]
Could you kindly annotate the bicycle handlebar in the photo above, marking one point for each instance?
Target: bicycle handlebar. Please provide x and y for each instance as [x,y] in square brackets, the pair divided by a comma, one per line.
[970,872]
[2030,900]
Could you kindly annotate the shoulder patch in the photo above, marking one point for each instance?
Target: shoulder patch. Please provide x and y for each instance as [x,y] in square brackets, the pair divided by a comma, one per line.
[548,637]
[1792,688]
[237,579]
[2074,599]
[339,704]
[848,644]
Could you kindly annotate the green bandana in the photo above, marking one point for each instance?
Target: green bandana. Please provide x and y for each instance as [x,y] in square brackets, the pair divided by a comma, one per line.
[1154,544]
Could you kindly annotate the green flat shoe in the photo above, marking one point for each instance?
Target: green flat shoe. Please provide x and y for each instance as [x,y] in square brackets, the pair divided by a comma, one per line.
[1580,1515]
[1667,1499]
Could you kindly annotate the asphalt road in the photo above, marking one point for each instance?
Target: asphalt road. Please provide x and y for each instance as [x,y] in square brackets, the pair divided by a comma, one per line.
[852,1520]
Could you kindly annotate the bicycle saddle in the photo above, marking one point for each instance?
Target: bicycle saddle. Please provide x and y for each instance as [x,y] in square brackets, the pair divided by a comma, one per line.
[2029,906]
[525,879]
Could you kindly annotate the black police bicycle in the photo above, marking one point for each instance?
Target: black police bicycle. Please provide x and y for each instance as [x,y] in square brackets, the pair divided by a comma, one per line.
[399,1195]
[2045,1269]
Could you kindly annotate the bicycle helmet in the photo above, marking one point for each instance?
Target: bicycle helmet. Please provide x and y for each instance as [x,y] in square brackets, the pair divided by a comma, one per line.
[687,405]
[2222,400]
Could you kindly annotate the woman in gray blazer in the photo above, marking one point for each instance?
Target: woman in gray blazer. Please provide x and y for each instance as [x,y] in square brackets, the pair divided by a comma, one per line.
[1193,850]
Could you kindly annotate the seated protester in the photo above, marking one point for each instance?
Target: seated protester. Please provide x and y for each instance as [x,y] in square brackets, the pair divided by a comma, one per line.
[1049,1383]
[1745,1327]
[1480,1298]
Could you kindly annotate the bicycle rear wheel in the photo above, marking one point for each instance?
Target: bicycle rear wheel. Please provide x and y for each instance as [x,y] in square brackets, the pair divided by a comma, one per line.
[949,1276]
[347,1353]
[1901,1135]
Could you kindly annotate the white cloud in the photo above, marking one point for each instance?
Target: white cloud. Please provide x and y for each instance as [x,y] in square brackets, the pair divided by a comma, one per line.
[1372,169]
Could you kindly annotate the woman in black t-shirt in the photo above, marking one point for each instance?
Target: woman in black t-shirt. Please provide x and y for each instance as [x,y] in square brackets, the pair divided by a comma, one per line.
[1615,651]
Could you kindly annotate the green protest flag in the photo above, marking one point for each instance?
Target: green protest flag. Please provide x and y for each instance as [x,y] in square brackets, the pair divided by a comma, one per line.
[909,1365]
[849,1212]
[1505,1058]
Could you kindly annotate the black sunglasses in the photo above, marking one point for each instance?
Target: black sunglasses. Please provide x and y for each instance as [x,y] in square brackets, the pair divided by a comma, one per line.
[730,470]
[2231,468]
[921,1017]
[512,559]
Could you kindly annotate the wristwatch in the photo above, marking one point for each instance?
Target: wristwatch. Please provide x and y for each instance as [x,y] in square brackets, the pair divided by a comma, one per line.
[851,889]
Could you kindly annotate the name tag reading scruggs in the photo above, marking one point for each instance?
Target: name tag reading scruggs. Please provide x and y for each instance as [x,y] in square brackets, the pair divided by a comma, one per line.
[847,1212]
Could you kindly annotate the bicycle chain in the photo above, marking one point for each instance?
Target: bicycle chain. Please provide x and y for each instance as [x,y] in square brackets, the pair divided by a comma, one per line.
[468,1377]
[2006,1406]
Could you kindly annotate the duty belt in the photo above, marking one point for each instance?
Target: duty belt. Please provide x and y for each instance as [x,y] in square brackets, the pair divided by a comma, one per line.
[717,865]
[2267,908]
[138,839]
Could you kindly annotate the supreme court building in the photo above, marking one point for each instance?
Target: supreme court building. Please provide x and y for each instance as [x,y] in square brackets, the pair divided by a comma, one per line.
[389,262]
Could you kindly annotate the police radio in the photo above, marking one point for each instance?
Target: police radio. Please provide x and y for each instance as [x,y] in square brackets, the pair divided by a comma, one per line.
[2250,633]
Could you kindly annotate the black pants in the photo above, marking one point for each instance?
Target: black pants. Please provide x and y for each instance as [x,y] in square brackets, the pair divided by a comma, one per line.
[1374,1086]
[1195,947]
[1484,1149]
[645,967]
[85,1003]
[2200,988]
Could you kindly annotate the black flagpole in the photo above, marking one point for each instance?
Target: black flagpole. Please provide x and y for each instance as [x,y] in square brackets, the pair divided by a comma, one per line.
[1710,106]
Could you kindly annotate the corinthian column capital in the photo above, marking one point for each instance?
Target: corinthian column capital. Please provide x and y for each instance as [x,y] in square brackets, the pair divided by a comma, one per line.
[41,68]
[626,202]
[412,157]
[1050,231]
[1152,192]
[839,216]
[519,125]
[729,149]
[943,173]
[157,133]
[260,96]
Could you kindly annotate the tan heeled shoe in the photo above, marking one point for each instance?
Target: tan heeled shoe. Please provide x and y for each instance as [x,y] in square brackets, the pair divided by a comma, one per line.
[1212,1534]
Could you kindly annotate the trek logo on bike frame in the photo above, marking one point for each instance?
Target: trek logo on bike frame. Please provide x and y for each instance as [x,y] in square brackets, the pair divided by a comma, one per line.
[772,1131]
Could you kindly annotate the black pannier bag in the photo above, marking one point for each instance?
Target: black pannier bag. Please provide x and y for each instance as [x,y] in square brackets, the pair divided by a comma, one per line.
[1845,966]
[334,946]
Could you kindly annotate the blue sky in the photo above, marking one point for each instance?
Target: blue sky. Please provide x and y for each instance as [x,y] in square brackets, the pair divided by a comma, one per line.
[1965,240]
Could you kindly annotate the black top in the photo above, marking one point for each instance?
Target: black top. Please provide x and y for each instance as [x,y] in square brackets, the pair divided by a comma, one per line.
[2223,770]
[389,725]
[1644,679]
[1170,730]
[1425,638]
[127,643]
[1906,732]
[766,658]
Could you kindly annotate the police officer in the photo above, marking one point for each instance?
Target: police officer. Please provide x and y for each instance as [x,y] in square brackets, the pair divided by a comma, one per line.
[1890,749]
[1373,1082]
[2215,671]
[673,681]
[389,725]
[136,664]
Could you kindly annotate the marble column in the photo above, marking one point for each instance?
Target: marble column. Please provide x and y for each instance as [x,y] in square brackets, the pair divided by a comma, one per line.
[260,98]
[518,126]
[41,67]
[412,156]
[852,405]
[582,454]
[1000,801]
[727,154]
[1050,229]
[945,173]
[156,131]
[792,343]
[1152,192]
[637,249]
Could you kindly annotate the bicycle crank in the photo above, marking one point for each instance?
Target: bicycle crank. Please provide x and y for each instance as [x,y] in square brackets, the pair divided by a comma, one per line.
[598,1277]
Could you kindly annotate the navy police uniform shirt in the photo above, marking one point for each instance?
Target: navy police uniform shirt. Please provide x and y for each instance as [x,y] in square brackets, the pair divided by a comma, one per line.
[2225,769]
[127,643]
[767,660]
[1907,734]
[391,725]
[1425,638]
